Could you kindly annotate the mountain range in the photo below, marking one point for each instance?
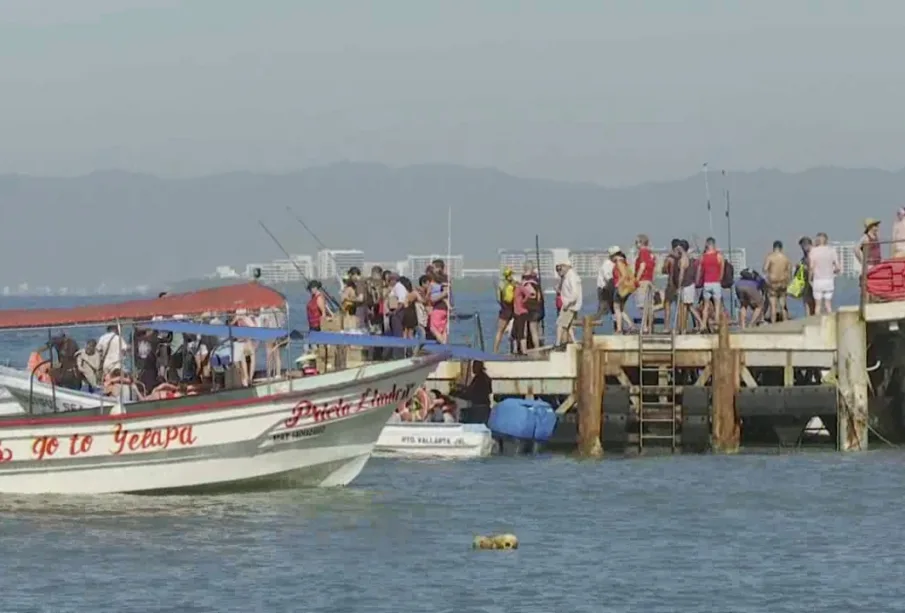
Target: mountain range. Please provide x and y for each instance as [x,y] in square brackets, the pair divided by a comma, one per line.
[124,227]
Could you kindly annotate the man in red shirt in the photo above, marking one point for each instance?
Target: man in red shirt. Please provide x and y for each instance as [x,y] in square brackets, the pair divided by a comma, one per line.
[645,265]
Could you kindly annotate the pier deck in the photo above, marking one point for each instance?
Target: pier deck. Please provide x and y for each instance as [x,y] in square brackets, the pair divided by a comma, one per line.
[773,378]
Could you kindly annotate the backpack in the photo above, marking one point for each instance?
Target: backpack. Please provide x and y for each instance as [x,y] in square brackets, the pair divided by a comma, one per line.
[728,274]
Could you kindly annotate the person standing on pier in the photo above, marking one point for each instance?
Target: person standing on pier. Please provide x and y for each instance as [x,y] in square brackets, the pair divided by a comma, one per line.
[570,290]
[710,278]
[778,272]
[645,266]
[869,252]
[688,272]
[670,268]
[505,297]
[823,266]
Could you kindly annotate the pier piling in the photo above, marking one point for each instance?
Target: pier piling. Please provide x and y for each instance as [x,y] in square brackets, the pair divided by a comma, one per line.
[590,395]
[725,369]
[851,380]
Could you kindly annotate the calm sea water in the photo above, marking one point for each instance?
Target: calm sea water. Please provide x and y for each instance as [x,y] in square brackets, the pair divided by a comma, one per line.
[795,533]
[777,533]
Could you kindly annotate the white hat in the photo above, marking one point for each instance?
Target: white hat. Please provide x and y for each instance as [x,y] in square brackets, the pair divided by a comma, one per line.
[307,357]
[564,262]
[614,250]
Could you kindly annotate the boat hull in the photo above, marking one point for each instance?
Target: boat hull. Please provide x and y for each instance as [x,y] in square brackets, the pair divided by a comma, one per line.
[316,431]
[435,440]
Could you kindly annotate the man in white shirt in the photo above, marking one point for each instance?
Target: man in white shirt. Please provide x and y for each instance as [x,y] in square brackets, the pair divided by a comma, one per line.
[570,292]
[823,266]
[112,348]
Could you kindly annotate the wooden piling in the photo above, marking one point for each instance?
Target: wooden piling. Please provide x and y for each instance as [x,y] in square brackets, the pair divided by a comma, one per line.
[726,429]
[851,380]
[590,386]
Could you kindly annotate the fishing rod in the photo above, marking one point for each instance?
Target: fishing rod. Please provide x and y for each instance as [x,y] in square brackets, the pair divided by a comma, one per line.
[319,242]
[330,299]
[540,288]
[729,237]
[707,195]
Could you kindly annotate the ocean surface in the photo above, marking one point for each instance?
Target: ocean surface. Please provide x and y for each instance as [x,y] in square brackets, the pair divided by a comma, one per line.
[766,534]
[750,533]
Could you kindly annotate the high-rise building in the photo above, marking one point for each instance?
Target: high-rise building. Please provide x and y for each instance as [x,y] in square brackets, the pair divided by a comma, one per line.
[416,264]
[333,263]
[480,272]
[848,263]
[587,262]
[516,258]
[299,268]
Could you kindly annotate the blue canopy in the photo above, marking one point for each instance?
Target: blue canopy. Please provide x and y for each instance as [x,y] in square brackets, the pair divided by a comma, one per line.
[464,352]
[364,340]
[238,332]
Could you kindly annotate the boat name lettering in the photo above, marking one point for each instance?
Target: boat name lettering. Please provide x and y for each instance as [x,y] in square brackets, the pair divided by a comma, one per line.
[80,444]
[6,454]
[433,440]
[47,403]
[44,447]
[151,438]
[300,433]
[337,409]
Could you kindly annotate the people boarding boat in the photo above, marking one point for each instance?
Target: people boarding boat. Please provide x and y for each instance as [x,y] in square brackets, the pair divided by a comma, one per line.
[274,432]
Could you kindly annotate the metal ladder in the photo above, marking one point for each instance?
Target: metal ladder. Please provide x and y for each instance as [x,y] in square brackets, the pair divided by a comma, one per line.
[657,354]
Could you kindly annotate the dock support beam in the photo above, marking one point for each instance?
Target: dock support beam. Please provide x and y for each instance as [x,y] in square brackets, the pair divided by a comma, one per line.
[590,395]
[851,381]
[725,367]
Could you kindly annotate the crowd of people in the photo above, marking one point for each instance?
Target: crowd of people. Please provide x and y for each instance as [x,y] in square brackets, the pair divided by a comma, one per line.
[155,364]
[386,303]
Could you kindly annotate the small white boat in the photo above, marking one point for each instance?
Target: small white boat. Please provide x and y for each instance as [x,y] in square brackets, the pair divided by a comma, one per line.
[301,431]
[435,440]
[16,390]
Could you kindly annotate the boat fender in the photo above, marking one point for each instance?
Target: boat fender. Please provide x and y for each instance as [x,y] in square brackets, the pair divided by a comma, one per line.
[498,541]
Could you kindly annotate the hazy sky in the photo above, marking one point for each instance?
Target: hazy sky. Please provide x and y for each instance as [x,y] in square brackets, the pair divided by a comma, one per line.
[611,92]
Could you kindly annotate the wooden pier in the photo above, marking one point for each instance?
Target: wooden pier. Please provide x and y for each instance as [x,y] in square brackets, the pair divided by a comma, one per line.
[701,392]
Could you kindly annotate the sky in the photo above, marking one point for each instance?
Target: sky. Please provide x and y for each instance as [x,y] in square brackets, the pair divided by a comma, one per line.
[610,92]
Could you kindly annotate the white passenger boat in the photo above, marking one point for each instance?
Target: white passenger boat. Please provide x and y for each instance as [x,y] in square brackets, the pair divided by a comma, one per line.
[435,440]
[292,431]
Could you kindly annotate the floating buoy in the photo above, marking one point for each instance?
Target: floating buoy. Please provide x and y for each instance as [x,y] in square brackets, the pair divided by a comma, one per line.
[498,541]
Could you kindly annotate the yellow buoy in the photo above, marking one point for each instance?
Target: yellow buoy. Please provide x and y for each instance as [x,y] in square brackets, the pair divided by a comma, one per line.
[505,541]
[497,541]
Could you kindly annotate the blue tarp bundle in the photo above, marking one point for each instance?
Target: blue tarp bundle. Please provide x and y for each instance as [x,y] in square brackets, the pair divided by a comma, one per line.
[464,352]
[236,332]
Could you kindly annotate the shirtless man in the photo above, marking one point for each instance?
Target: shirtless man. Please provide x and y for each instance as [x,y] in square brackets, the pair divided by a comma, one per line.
[778,273]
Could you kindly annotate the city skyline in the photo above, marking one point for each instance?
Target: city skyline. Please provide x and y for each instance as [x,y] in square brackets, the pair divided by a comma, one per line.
[329,264]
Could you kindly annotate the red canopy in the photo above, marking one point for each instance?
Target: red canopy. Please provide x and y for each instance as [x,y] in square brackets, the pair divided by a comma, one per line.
[226,299]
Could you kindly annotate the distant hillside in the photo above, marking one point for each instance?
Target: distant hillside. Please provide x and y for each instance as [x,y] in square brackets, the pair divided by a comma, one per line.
[130,228]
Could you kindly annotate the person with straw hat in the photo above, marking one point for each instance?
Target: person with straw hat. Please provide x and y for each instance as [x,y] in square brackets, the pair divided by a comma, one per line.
[869,252]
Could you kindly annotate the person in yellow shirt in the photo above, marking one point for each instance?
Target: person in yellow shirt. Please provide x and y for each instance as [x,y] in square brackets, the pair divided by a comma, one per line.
[506,297]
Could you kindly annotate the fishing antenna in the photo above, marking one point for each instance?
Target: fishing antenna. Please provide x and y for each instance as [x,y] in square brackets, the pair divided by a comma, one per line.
[333,302]
[540,287]
[707,195]
[319,242]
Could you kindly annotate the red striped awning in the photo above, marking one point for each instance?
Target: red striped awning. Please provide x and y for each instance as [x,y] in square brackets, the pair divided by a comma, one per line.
[226,299]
